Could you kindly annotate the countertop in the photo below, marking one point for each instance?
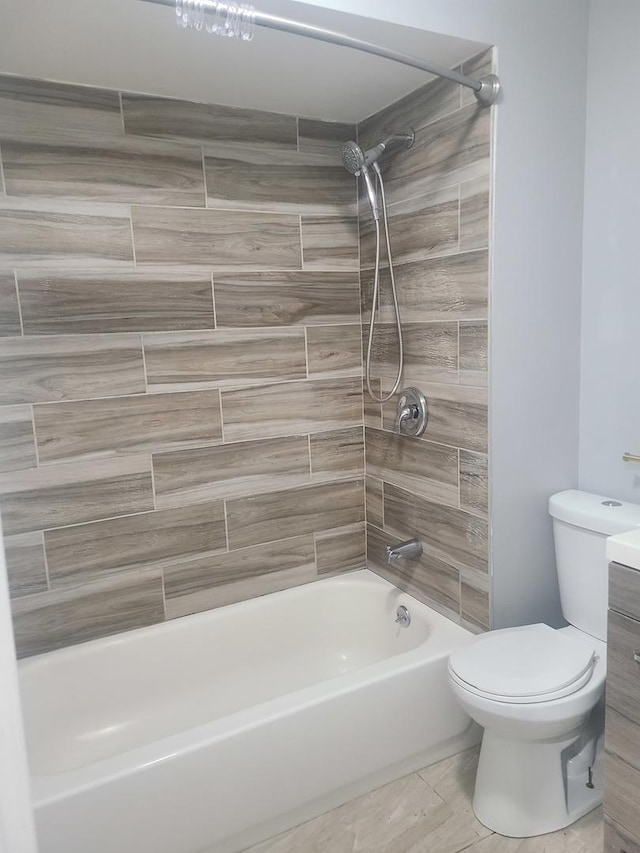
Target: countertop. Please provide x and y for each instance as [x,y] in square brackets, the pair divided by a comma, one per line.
[624,548]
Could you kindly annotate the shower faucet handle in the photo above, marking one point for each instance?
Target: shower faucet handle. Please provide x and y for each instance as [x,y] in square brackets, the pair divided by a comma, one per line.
[412,415]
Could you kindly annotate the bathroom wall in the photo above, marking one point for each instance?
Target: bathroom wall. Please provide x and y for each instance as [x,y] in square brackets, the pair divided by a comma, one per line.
[610,404]
[181,419]
[434,487]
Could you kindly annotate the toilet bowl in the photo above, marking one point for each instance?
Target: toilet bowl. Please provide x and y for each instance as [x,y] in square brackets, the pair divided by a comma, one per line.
[538,752]
[538,692]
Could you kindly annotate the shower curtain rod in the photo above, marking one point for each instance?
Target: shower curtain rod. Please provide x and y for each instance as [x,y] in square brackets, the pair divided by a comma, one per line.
[486,88]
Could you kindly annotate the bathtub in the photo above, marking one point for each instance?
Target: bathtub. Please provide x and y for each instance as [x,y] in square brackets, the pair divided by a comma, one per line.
[215,731]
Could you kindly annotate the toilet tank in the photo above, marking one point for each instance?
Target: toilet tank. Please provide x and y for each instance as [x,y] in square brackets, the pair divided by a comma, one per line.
[581,524]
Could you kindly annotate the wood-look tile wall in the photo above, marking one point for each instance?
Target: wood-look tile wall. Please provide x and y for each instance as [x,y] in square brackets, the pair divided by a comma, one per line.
[181,419]
[434,487]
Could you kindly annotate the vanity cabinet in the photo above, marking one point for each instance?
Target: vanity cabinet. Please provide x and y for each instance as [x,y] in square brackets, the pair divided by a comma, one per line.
[622,735]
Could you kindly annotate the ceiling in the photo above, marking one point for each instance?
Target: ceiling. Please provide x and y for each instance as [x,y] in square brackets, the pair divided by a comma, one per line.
[136,46]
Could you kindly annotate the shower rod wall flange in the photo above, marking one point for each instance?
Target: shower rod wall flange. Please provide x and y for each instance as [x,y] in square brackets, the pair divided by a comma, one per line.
[486,89]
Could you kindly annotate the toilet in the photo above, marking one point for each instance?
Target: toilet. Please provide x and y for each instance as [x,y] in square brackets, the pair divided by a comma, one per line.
[538,692]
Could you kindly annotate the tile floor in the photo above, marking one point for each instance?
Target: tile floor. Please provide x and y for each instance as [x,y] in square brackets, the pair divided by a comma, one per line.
[427,812]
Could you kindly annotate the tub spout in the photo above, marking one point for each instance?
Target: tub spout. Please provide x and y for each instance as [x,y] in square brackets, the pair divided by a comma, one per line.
[411,549]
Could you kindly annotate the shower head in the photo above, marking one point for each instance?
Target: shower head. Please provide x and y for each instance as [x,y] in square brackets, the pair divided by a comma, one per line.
[354,158]
[357,162]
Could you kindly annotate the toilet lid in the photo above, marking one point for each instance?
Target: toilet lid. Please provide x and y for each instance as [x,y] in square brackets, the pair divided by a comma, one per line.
[523,663]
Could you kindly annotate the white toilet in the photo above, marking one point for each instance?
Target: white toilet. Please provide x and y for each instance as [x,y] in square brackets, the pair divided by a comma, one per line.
[538,691]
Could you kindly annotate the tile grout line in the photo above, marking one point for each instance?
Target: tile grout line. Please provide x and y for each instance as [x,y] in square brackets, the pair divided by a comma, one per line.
[3,183]
[133,244]
[124,129]
[306,355]
[226,525]
[144,371]
[310,458]
[153,482]
[222,417]
[35,435]
[213,303]
[17,289]
[46,564]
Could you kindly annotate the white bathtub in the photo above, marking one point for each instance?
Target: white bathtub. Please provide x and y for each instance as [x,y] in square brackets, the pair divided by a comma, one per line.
[215,731]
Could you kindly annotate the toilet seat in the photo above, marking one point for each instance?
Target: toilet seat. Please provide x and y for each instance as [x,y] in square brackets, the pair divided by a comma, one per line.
[524,665]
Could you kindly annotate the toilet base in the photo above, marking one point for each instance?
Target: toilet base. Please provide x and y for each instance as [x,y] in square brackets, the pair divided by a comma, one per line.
[526,788]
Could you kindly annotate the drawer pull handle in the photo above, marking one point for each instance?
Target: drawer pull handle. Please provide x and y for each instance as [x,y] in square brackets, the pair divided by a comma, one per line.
[636,656]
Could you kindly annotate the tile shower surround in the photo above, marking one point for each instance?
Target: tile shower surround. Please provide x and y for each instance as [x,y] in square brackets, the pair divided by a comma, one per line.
[434,487]
[181,408]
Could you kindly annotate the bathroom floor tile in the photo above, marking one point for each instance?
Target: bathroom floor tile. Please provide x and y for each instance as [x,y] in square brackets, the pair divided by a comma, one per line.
[426,812]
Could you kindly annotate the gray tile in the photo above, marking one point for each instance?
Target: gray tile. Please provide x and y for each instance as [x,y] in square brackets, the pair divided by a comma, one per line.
[90,552]
[68,367]
[473,353]
[421,227]
[372,409]
[70,494]
[330,242]
[448,534]
[475,606]
[430,102]
[430,353]
[32,107]
[281,515]
[208,123]
[454,287]
[324,137]
[428,579]
[338,453]
[9,311]
[223,358]
[231,470]
[201,584]
[474,214]
[130,171]
[129,301]
[287,299]
[457,416]
[562,841]
[55,619]
[216,239]
[374,500]
[341,550]
[474,482]
[298,187]
[406,816]
[291,408]
[91,429]
[334,351]
[56,234]
[17,445]
[448,151]
[425,468]
[26,568]
[454,780]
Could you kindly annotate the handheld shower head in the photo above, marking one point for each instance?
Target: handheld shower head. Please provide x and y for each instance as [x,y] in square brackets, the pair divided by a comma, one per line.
[352,157]
[354,160]
[357,162]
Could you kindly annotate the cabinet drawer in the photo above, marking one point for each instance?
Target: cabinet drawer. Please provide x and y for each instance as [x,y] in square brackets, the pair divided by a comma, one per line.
[622,795]
[623,671]
[624,590]
[617,841]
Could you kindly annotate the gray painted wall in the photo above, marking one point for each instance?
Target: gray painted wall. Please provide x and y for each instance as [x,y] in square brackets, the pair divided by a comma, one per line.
[535,292]
[610,385]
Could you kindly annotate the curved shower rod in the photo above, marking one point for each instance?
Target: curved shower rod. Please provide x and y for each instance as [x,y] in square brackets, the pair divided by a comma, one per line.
[486,89]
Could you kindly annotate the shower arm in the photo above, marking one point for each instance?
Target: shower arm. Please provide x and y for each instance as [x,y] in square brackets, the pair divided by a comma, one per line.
[486,89]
